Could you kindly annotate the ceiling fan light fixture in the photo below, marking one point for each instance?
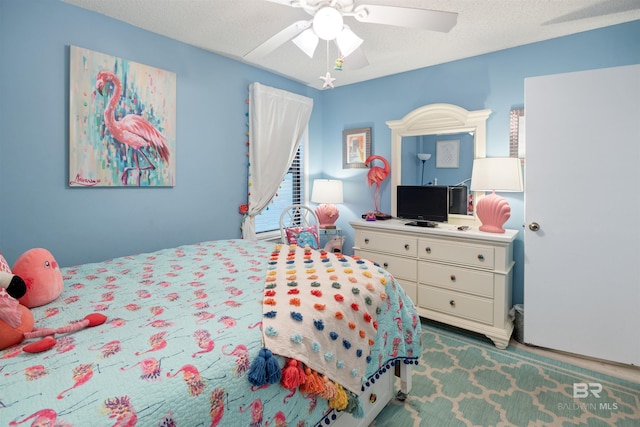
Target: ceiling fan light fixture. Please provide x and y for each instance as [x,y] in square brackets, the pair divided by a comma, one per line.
[307,41]
[348,41]
[327,23]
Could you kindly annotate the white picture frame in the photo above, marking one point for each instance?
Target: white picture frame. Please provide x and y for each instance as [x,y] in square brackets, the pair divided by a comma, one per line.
[448,153]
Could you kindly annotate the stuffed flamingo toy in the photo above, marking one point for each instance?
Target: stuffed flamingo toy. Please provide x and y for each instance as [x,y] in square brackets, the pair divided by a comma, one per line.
[49,341]
[15,318]
[41,274]
[35,280]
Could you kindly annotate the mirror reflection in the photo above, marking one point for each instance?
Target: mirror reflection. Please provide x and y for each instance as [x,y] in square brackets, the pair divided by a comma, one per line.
[453,136]
[443,163]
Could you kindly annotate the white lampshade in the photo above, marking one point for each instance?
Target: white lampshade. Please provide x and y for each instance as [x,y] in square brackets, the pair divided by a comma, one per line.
[307,41]
[501,174]
[327,23]
[424,156]
[348,41]
[495,174]
[327,191]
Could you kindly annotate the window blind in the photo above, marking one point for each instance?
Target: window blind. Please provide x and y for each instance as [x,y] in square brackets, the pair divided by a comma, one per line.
[291,192]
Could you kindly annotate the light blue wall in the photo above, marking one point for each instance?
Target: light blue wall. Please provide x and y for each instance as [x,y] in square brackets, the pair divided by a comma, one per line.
[85,225]
[494,81]
[90,224]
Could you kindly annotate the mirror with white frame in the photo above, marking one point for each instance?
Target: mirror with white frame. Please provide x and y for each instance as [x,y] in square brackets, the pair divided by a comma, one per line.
[424,129]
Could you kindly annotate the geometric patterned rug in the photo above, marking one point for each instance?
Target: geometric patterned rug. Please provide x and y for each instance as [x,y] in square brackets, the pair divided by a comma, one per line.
[463,380]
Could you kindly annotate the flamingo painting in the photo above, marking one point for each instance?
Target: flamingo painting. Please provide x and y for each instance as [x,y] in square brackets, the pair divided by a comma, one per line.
[132,130]
[375,176]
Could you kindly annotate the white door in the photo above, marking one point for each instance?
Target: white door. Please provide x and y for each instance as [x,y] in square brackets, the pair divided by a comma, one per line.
[582,189]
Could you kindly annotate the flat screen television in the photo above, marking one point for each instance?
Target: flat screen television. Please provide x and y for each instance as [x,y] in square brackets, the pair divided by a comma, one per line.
[426,204]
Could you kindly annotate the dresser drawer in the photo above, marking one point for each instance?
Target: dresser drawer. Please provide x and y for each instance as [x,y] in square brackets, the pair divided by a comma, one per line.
[459,253]
[456,278]
[456,304]
[404,268]
[400,245]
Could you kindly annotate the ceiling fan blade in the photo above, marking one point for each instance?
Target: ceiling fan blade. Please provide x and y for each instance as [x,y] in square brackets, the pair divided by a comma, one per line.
[297,3]
[433,20]
[284,2]
[356,60]
[278,40]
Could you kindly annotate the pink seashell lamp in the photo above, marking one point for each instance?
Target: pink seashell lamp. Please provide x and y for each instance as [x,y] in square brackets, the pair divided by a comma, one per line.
[503,174]
[327,192]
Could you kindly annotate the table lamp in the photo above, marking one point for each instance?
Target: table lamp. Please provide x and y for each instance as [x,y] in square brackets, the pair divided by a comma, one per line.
[327,192]
[503,174]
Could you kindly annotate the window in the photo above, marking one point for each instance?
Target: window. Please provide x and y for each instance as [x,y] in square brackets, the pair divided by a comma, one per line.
[291,191]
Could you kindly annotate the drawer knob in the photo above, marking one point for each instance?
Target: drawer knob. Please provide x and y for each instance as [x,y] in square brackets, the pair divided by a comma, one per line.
[453,277]
[366,240]
[406,246]
[452,303]
[386,265]
[428,250]
[481,257]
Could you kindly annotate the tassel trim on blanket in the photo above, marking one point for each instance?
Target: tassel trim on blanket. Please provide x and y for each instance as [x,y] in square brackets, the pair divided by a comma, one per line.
[265,370]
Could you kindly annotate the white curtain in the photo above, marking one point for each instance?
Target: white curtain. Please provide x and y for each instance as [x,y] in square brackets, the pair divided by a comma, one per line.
[277,122]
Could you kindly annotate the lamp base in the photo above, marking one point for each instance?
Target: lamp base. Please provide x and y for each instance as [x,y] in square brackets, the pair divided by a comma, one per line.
[327,215]
[493,211]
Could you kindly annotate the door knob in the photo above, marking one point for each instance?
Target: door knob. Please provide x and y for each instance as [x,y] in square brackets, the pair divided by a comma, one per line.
[534,226]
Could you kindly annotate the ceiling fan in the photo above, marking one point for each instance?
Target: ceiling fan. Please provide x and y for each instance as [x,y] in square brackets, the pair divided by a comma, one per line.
[327,23]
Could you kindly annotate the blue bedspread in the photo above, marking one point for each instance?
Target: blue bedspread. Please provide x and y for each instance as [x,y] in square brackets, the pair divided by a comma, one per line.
[183,326]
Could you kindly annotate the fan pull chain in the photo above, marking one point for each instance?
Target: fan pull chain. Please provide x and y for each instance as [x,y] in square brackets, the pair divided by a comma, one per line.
[327,79]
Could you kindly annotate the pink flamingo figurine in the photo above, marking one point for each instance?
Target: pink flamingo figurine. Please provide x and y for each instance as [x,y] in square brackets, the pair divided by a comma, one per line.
[375,176]
[132,130]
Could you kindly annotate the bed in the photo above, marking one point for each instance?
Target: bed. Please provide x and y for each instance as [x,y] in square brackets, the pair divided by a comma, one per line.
[184,329]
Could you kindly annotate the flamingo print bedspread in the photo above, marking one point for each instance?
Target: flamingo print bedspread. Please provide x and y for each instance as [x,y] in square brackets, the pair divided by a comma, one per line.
[183,326]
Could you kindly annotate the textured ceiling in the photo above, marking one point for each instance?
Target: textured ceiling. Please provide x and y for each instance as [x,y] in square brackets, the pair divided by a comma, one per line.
[234,27]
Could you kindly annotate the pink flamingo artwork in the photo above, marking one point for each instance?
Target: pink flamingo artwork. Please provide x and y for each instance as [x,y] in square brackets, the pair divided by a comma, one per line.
[132,130]
[375,176]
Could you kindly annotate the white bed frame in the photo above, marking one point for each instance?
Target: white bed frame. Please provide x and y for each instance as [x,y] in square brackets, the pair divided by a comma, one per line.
[384,391]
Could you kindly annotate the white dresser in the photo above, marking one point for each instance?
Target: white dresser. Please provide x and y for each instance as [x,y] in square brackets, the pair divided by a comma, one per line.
[461,278]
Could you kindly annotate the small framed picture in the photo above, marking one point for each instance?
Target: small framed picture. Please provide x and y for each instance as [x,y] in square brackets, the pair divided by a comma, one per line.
[356,147]
[448,153]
